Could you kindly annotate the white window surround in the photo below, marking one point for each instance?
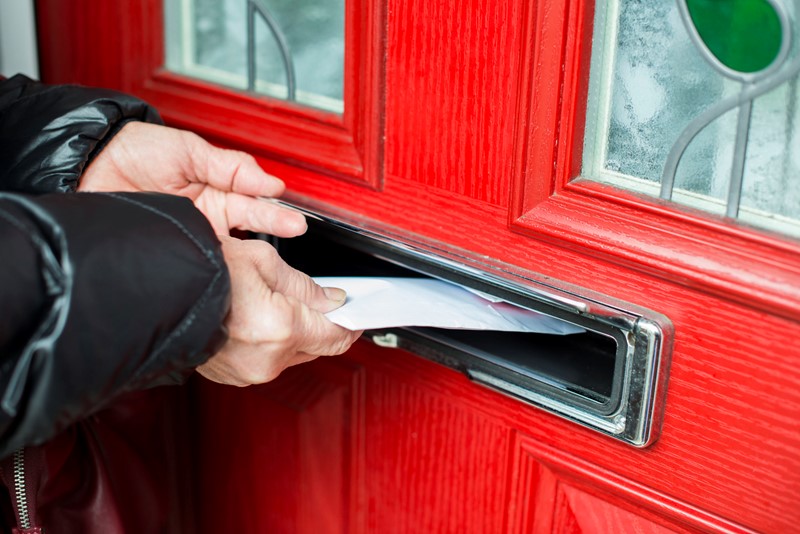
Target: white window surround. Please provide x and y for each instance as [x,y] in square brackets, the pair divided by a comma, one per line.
[18,50]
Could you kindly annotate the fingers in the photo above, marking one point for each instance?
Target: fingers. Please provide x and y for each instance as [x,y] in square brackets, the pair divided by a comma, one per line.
[263,354]
[321,337]
[237,179]
[300,286]
[284,279]
[272,324]
[260,215]
[243,364]
[232,170]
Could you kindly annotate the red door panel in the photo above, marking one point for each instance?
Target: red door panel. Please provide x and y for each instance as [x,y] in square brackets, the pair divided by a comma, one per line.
[463,125]
[299,452]
[459,136]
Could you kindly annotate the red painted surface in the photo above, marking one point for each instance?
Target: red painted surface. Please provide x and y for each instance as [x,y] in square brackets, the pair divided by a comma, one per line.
[481,108]
[699,250]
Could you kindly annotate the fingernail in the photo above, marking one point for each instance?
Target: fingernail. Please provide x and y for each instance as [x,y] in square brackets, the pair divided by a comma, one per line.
[335,294]
[298,225]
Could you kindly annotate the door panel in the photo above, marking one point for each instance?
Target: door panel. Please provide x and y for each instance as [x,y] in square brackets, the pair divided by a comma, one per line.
[452,115]
[300,451]
[466,131]
[581,513]
[443,459]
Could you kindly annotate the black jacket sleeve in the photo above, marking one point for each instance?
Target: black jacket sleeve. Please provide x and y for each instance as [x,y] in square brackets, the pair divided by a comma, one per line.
[49,133]
[100,293]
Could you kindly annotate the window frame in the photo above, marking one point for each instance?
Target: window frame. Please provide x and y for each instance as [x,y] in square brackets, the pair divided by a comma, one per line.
[347,145]
[550,202]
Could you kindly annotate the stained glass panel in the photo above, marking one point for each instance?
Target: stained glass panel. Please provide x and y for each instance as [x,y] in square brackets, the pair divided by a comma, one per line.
[654,89]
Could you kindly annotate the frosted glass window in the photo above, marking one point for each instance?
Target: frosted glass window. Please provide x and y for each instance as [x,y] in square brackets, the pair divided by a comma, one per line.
[662,72]
[288,49]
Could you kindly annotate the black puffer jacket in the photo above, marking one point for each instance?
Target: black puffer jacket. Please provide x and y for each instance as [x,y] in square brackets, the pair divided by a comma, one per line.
[100,294]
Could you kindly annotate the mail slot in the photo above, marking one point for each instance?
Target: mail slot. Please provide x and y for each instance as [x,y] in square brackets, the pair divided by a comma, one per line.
[611,377]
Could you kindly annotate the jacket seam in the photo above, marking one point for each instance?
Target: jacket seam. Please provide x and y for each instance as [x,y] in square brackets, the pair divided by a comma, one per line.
[191,315]
[180,328]
[19,225]
[44,92]
[206,251]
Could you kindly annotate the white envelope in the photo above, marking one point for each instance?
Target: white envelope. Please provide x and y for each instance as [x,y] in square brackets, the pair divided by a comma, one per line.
[374,303]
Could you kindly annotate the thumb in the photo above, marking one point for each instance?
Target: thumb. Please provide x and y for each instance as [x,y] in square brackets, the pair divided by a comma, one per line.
[320,337]
[294,283]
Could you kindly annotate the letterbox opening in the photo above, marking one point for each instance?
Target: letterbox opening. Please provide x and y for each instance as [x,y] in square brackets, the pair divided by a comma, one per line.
[581,364]
[606,378]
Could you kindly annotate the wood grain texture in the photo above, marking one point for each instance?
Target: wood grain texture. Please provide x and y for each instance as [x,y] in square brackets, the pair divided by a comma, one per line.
[432,465]
[583,498]
[730,443]
[532,494]
[709,252]
[580,513]
[299,453]
[451,102]
[698,476]
[470,117]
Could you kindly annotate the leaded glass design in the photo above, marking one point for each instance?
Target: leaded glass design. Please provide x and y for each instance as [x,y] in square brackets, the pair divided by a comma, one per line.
[288,49]
[696,101]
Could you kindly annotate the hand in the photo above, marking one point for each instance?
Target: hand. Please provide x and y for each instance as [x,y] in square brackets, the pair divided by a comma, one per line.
[276,318]
[223,184]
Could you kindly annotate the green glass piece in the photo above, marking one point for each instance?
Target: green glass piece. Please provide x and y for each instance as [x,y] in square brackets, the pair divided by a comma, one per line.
[744,35]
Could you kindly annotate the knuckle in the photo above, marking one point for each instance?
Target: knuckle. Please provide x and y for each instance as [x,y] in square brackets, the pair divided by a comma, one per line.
[262,375]
[262,250]
[282,333]
[282,329]
[243,157]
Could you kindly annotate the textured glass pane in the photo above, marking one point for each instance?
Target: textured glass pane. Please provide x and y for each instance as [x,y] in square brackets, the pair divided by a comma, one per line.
[772,169]
[209,39]
[219,39]
[649,81]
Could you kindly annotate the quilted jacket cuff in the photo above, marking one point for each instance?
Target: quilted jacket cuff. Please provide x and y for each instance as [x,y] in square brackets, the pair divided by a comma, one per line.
[49,133]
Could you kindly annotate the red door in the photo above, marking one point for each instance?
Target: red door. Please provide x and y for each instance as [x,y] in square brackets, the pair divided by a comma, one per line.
[463,133]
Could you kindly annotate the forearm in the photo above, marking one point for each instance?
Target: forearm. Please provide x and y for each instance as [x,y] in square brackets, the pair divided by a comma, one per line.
[146,291]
